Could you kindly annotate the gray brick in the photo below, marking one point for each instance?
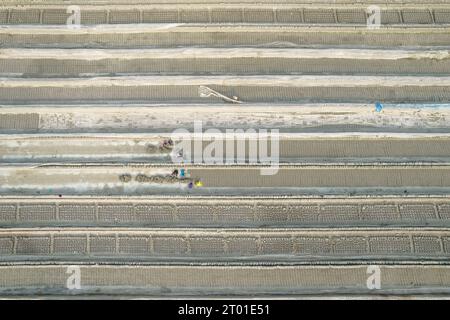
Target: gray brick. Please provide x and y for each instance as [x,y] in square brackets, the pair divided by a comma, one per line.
[339,213]
[312,245]
[102,245]
[194,16]
[3,16]
[416,16]
[195,213]
[69,245]
[226,15]
[169,245]
[442,15]
[352,16]
[417,212]
[276,245]
[444,211]
[124,16]
[272,213]
[303,213]
[7,212]
[202,246]
[289,16]
[258,15]
[27,16]
[116,212]
[234,213]
[134,245]
[319,16]
[427,245]
[390,17]
[160,16]
[92,17]
[242,246]
[446,242]
[77,212]
[6,245]
[155,213]
[33,245]
[55,16]
[390,244]
[37,212]
[380,212]
[350,245]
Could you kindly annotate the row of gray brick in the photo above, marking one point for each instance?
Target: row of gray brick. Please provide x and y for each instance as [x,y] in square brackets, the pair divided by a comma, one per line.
[249,212]
[225,15]
[214,244]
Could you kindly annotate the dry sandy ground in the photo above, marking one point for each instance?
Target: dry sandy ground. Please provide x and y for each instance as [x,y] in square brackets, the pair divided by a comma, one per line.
[160,118]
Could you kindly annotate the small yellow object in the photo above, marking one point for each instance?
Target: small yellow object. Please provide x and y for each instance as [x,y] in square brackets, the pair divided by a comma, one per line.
[198,183]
